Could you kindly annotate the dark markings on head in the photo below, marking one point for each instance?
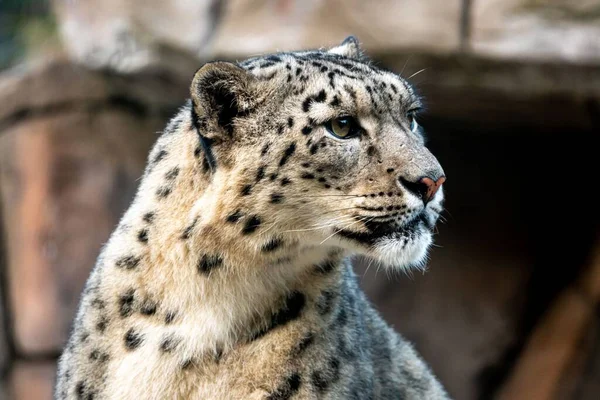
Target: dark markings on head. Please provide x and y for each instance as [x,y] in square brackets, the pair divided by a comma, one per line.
[172,174]
[287,154]
[265,149]
[291,310]
[143,236]
[163,191]
[97,355]
[276,198]
[84,392]
[133,339]
[260,173]
[128,262]
[290,122]
[168,343]
[273,176]
[272,245]
[209,262]
[246,190]
[325,267]
[170,317]
[285,181]
[323,379]
[307,130]
[101,324]
[335,102]
[126,303]
[187,232]
[159,156]
[325,302]
[148,307]
[303,345]
[234,217]
[149,217]
[314,148]
[280,129]
[306,175]
[251,225]
[287,389]
[197,151]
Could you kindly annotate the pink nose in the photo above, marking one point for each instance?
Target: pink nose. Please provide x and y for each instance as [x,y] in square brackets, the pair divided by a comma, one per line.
[430,188]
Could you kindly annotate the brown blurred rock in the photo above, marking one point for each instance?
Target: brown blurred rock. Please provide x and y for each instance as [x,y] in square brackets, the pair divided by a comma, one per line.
[256,26]
[69,165]
[133,35]
[32,381]
[555,30]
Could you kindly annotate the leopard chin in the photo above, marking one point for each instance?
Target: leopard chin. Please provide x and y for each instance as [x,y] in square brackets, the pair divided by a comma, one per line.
[402,252]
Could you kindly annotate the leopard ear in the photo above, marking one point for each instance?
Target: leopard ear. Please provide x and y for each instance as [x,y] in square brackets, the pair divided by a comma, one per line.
[348,48]
[220,91]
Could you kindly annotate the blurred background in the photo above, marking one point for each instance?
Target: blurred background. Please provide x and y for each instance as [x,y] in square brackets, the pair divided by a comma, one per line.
[510,306]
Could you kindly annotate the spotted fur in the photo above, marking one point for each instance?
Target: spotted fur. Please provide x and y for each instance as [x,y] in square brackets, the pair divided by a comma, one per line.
[228,277]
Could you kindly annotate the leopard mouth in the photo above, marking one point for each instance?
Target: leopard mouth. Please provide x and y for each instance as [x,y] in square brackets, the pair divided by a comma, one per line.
[376,231]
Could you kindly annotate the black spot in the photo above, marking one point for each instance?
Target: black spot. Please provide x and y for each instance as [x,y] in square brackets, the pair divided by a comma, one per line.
[265,149]
[273,176]
[303,344]
[172,174]
[272,245]
[314,148]
[159,156]
[307,176]
[307,130]
[163,191]
[394,88]
[234,217]
[276,198]
[148,308]
[128,262]
[287,389]
[260,173]
[285,181]
[321,179]
[187,232]
[389,170]
[133,339]
[280,129]
[143,236]
[335,102]
[251,225]
[287,154]
[246,190]
[325,267]
[84,392]
[294,304]
[305,164]
[197,151]
[170,317]
[97,355]
[290,122]
[149,217]
[325,302]
[321,380]
[306,104]
[209,262]
[298,71]
[126,303]
[101,324]
[99,304]
[321,97]
[168,344]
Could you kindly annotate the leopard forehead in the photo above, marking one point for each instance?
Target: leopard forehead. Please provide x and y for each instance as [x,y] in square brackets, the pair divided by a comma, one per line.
[353,85]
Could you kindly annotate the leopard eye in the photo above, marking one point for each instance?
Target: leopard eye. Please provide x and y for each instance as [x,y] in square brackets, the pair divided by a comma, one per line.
[414,126]
[343,127]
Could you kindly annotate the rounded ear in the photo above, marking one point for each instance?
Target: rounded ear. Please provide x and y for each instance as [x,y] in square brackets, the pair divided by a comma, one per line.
[348,48]
[220,92]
